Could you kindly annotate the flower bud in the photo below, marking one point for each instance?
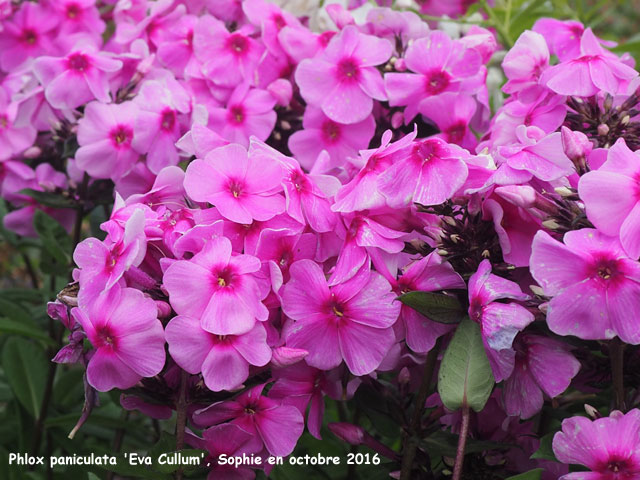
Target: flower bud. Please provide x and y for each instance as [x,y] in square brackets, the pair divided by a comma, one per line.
[347,432]
[281,90]
[285,356]
[577,146]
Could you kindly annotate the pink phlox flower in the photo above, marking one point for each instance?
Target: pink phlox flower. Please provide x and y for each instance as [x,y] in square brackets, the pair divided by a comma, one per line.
[229,440]
[27,35]
[350,321]
[609,447]
[452,113]
[440,65]
[79,16]
[307,196]
[226,10]
[593,71]
[482,40]
[340,140]
[167,190]
[175,45]
[274,425]
[536,154]
[594,285]
[429,175]
[105,136]
[393,25]
[127,336]
[361,192]
[610,196]
[223,360]
[499,322]
[200,140]
[546,111]
[103,265]
[249,112]
[365,240]
[301,43]
[514,225]
[524,63]
[271,19]
[562,36]
[302,386]
[227,58]
[160,105]
[44,178]
[343,81]
[242,187]
[543,366]
[82,75]
[278,249]
[245,237]
[144,20]
[218,288]
[429,274]
[14,137]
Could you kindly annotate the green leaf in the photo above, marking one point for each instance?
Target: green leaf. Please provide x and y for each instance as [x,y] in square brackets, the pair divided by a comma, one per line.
[54,237]
[535,474]
[48,199]
[25,367]
[438,307]
[25,329]
[545,451]
[14,311]
[465,377]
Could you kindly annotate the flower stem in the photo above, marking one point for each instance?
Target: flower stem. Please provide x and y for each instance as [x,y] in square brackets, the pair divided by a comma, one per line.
[616,356]
[462,442]
[412,441]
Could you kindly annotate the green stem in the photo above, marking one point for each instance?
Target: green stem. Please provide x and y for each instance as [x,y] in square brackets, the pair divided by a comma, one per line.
[412,440]
[462,442]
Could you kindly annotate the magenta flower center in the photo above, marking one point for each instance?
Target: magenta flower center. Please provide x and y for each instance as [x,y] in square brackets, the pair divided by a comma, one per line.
[436,82]
[348,70]
[236,114]
[475,310]
[605,269]
[426,151]
[73,10]
[29,36]
[456,132]
[78,62]
[168,119]
[224,277]
[237,43]
[235,187]
[121,136]
[105,338]
[279,21]
[331,131]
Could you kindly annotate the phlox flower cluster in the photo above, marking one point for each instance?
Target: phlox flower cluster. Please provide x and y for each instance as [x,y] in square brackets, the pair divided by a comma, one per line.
[275,190]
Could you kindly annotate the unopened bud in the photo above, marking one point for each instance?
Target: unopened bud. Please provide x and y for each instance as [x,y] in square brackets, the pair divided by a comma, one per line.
[400,65]
[564,191]
[347,432]
[397,120]
[625,120]
[164,309]
[281,90]
[550,224]
[577,146]
[592,411]
[32,152]
[603,129]
[536,290]
[285,356]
